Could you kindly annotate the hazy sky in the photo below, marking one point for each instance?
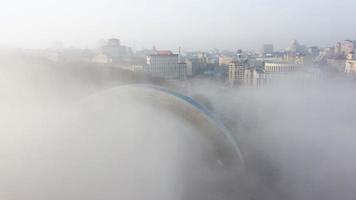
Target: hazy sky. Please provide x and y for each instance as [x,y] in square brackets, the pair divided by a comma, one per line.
[192,24]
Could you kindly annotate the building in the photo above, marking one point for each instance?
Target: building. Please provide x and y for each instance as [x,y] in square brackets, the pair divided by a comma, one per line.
[289,57]
[272,73]
[337,49]
[251,77]
[350,66]
[344,48]
[269,59]
[114,51]
[111,49]
[337,64]
[296,47]
[297,58]
[327,52]
[314,50]
[347,47]
[193,66]
[270,67]
[267,49]
[165,64]
[225,60]
[137,68]
[240,73]
[100,58]
[236,73]
[248,76]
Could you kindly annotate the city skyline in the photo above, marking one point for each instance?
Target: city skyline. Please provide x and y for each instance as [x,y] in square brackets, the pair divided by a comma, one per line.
[194,25]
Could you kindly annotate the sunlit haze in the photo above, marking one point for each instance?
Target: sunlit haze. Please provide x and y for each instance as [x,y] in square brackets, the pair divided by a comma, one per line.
[191,24]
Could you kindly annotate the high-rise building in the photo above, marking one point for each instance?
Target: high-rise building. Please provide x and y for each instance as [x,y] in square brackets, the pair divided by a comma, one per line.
[239,72]
[236,73]
[165,64]
[248,76]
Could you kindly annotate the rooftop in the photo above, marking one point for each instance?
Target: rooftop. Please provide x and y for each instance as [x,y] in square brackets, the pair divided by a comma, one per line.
[164,53]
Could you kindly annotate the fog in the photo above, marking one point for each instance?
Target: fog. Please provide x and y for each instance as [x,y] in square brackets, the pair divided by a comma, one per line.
[65,135]
[298,142]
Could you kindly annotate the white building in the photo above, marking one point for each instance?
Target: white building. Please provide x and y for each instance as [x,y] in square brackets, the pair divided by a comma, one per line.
[247,76]
[273,73]
[166,64]
[280,67]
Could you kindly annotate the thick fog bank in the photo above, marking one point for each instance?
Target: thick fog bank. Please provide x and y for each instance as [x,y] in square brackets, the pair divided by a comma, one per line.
[298,142]
[64,137]
[58,142]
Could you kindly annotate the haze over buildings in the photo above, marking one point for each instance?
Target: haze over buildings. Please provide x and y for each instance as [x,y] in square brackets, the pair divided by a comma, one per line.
[177,100]
[194,25]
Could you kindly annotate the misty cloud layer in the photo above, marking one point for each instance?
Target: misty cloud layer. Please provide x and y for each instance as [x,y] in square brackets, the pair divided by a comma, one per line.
[298,143]
[102,145]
